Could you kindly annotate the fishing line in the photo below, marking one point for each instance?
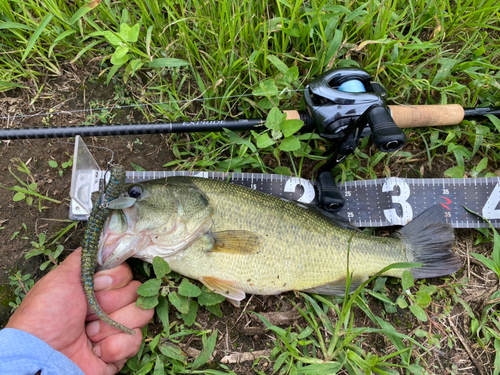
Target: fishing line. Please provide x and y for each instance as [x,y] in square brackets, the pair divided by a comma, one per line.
[69,112]
[108,163]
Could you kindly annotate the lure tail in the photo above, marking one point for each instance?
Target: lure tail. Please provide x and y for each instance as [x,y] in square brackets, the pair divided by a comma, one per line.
[90,246]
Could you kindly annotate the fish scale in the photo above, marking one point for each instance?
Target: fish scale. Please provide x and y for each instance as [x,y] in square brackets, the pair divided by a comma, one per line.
[91,239]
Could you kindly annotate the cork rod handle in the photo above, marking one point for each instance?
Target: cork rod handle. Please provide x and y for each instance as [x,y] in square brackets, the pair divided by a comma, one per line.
[292,115]
[413,116]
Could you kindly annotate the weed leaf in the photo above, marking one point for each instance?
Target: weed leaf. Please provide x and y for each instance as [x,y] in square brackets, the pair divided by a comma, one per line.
[407,280]
[150,288]
[160,267]
[159,367]
[162,311]
[290,127]
[289,144]
[181,303]
[206,352]
[455,172]
[147,302]
[495,121]
[188,289]
[208,298]
[418,312]
[171,350]
[278,63]
[321,368]
[190,317]
[167,63]
[19,196]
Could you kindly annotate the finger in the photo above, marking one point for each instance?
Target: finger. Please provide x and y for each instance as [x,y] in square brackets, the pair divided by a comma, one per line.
[114,278]
[112,300]
[116,349]
[115,367]
[130,316]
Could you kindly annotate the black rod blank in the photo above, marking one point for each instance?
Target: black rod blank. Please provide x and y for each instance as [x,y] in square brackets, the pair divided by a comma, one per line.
[171,127]
[470,113]
[133,129]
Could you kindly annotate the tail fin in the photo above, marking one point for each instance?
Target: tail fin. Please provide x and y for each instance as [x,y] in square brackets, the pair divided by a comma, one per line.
[430,241]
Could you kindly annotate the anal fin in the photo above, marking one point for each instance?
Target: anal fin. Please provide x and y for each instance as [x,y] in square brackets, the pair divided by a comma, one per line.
[235,242]
[228,289]
[337,287]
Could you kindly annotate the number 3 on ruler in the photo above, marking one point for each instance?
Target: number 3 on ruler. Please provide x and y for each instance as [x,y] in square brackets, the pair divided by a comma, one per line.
[404,194]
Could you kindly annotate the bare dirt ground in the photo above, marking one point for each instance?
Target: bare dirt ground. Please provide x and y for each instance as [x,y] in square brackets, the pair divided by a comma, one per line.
[457,353]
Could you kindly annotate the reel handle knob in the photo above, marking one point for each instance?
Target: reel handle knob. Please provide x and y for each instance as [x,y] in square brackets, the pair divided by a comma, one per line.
[386,135]
[330,197]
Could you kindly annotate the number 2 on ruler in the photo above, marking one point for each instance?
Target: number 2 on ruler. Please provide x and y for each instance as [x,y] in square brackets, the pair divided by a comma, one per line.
[404,193]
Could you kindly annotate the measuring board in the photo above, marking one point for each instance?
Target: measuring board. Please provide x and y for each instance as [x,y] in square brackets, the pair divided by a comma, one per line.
[370,203]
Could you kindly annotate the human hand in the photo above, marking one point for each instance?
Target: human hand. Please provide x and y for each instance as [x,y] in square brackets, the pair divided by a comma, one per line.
[56,311]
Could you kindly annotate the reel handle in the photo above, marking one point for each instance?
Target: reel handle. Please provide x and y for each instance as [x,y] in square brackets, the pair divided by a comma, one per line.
[386,136]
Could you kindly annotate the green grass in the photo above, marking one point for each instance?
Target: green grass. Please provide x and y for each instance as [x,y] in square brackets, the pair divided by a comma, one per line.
[245,58]
[423,52]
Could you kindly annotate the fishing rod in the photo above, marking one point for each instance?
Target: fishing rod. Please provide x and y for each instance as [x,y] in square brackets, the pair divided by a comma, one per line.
[342,105]
[333,100]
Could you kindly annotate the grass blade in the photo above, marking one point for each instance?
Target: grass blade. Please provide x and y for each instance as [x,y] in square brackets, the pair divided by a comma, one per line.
[36,34]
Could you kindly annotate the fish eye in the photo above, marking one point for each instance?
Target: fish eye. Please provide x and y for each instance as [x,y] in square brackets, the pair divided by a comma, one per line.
[135,191]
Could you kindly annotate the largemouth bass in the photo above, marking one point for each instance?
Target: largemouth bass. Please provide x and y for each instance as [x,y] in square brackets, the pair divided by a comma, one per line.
[236,241]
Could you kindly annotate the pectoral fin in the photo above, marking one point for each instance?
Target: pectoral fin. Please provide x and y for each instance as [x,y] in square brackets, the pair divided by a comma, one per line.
[337,287]
[228,289]
[235,242]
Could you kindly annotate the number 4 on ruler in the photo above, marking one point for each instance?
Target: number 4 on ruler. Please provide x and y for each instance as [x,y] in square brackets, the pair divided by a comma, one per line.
[490,210]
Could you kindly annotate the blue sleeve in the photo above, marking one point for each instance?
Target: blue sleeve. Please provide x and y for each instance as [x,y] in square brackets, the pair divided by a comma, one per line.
[24,354]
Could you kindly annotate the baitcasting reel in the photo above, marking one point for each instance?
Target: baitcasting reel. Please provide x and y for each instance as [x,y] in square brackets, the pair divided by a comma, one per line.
[346,105]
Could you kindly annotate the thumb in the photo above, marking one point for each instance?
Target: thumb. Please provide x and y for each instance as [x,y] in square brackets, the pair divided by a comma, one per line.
[68,270]
[74,259]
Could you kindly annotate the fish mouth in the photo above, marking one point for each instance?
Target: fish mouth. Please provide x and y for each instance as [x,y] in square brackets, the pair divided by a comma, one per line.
[118,240]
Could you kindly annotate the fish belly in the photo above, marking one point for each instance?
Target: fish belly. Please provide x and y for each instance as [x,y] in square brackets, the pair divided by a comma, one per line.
[290,261]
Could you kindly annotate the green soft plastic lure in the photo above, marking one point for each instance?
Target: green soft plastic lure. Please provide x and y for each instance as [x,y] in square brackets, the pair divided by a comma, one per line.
[95,225]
